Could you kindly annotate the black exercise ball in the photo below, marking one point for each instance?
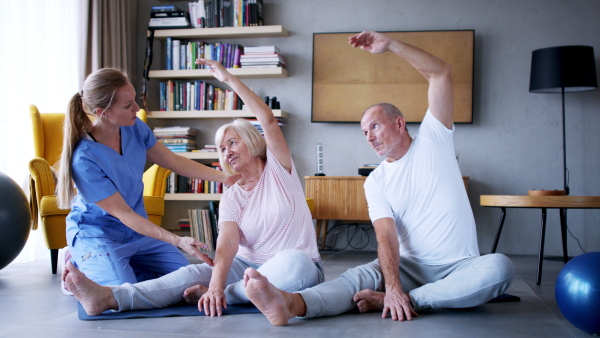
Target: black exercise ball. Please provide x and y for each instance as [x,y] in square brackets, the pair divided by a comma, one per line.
[15,219]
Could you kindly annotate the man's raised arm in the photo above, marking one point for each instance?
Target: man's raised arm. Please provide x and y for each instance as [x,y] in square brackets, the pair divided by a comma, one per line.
[437,71]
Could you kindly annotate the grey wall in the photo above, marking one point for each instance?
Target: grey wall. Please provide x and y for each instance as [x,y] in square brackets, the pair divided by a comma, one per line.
[515,142]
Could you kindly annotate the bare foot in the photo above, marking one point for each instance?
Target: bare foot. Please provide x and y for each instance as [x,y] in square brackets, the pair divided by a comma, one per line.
[277,305]
[94,298]
[369,300]
[192,294]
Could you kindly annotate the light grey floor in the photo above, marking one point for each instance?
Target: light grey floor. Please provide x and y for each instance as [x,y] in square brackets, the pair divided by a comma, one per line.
[31,305]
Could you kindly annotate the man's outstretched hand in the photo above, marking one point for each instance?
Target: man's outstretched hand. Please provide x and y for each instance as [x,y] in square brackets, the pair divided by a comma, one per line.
[370,41]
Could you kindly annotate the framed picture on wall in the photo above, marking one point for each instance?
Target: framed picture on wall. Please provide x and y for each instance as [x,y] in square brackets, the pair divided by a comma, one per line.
[348,80]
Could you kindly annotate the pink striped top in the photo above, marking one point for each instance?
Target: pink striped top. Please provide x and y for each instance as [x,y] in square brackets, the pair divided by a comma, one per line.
[271,217]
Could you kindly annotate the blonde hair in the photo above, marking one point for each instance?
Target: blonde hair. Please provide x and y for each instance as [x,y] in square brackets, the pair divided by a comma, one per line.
[250,136]
[98,91]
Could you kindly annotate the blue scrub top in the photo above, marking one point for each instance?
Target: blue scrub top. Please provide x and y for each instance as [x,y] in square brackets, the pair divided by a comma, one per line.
[98,172]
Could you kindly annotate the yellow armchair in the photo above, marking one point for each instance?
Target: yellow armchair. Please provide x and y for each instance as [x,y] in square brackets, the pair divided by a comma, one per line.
[47,140]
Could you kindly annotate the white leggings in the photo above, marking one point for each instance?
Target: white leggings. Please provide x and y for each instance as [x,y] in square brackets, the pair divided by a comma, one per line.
[289,270]
[466,283]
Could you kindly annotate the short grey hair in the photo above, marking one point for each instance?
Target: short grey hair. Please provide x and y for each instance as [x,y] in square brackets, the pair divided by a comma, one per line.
[248,134]
[389,111]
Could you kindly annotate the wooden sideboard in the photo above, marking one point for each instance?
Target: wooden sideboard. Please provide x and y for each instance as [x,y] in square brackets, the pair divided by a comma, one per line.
[339,198]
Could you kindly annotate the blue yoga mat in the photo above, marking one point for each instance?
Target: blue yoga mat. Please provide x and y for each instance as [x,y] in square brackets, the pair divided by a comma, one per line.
[183,310]
[192,310]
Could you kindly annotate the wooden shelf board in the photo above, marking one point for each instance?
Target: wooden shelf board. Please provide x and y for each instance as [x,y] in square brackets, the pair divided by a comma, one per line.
[208,114]
[223,32]
[200,155]
[263,72]
[192,197]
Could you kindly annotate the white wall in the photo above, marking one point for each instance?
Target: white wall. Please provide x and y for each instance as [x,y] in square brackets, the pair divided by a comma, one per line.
[515,142]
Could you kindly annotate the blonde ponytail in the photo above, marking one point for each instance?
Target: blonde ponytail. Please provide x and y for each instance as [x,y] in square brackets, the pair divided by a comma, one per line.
[98,92]
[75,125]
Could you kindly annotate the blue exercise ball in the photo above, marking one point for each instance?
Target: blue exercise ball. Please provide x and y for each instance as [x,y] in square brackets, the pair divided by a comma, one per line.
[578,292]
[15,220]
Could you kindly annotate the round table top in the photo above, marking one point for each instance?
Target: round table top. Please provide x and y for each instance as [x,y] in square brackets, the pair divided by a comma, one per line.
[524,201]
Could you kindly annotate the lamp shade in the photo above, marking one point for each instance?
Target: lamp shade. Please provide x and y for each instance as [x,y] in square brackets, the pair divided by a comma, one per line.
[570,67]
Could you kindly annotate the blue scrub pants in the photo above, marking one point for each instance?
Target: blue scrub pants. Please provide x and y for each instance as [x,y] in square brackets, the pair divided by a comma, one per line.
[111,262]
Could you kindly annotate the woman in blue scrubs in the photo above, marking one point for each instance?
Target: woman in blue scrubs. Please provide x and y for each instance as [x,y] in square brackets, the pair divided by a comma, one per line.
[108,232]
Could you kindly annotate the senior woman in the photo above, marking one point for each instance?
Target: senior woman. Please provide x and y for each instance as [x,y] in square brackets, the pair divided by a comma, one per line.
[264,223]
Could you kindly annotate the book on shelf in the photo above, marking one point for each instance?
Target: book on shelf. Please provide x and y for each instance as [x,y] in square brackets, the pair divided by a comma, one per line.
[177,184]
[169,53]
[168,16]
[209,148]
[180,95]
[165,8]
[213,207]
[259,127]
[184,223]
[262,56]
[262,60]
[277,59]
[177,139]
[226,13]
[175,50]
[169,22]
[203,227]
[261,49]
[264,65]
[186,52]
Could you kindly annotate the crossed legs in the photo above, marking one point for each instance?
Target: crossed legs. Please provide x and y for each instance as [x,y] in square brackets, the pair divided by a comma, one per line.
[290,270]
[466,283]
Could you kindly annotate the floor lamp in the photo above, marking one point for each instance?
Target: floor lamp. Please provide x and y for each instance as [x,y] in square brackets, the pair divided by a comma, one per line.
[563,69]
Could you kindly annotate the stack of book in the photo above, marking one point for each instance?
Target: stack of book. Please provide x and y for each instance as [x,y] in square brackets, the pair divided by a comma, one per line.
[180,95]
[182,54]
[226,13]
[263,56]
[203,224]
[211,148]
[184,224]
[201,227]
[177,184]
[167,17]
[177,139]
[259,127]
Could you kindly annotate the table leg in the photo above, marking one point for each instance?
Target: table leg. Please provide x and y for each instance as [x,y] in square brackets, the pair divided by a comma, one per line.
[318,230]
[325,224]
[499,229]
[541,255]
[563,231]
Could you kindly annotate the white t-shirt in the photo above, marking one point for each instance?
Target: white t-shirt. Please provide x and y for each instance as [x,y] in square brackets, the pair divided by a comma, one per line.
[425,195]
[272,217]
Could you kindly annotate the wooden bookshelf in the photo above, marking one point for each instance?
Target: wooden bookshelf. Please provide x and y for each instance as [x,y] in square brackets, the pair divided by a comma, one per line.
[192,197]
[200,155]
[203,74]
[223,32]
[245,73]
[208,114]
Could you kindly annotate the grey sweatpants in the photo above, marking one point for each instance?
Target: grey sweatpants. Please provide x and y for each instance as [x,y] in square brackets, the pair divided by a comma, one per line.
[289,270]
[469,282]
